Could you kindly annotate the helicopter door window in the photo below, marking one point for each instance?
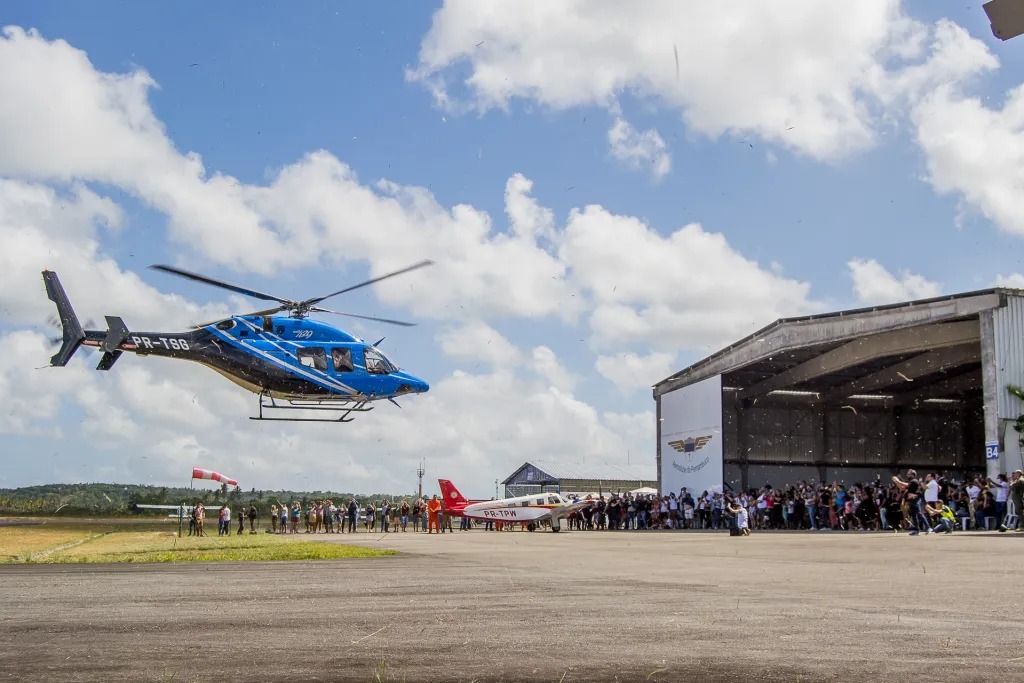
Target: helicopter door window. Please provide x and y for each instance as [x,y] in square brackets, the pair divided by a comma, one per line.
[268,324]
[315,358]
[376,363]
[342,359]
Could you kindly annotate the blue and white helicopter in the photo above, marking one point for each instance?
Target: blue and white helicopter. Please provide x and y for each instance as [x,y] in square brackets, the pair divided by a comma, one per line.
[291,362]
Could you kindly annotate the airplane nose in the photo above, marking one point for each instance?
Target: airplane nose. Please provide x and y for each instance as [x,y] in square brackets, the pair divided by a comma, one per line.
[422,387]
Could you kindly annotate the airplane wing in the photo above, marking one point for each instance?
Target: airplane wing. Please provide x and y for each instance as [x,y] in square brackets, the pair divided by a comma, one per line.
[566,510]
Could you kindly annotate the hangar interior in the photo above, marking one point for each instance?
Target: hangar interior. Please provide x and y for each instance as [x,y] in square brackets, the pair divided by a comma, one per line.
[857,394]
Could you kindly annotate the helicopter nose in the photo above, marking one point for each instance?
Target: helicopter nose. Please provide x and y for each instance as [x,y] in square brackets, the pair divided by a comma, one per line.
[421,386]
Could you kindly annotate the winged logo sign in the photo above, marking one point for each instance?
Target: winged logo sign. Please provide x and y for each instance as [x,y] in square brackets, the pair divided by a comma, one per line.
[690,444]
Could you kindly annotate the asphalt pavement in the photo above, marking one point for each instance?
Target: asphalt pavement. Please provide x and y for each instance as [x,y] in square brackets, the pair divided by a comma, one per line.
[519,606]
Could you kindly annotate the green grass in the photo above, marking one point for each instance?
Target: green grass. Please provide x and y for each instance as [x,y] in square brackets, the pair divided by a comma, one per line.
[53,544]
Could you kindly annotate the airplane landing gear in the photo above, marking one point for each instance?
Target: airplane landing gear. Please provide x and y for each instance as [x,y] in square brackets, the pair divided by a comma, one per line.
[531,526]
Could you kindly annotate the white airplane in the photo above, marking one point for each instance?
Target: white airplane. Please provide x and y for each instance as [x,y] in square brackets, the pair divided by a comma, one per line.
[182,510]
[531,509]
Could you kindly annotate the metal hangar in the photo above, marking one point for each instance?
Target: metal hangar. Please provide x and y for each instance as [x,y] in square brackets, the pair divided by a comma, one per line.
[850,396]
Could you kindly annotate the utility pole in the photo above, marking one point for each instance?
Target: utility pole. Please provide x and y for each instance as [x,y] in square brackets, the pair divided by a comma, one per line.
[1006,17]
[419,473]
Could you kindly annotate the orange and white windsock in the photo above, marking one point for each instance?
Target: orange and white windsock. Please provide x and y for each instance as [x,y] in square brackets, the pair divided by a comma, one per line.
[198,473]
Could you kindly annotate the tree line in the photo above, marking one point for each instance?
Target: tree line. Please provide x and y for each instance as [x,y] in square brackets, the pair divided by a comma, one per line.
[121,499]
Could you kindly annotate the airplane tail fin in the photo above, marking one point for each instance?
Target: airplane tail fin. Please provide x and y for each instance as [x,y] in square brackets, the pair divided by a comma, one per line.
[450,495]
[72,329]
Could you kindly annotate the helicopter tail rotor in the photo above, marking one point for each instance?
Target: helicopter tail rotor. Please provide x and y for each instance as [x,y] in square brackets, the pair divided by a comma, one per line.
[73,335]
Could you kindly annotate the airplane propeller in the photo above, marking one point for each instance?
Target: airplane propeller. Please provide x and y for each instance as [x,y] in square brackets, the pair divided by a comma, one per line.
[297,309]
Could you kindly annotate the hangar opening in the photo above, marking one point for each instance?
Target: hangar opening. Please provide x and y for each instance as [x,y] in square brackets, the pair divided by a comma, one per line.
[851,396]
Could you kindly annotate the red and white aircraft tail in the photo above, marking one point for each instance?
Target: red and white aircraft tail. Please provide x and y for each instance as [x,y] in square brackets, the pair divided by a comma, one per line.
[453,499]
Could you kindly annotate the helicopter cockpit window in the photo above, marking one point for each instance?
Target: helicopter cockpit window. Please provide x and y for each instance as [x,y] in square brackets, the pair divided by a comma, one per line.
[342,359]
[377,363]
[315,358]
[225,324]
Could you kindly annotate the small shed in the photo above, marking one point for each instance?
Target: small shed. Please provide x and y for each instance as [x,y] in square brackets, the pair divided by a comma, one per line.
[565,477]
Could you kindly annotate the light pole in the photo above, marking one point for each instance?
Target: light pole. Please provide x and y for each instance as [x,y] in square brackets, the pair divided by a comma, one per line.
[1006,17]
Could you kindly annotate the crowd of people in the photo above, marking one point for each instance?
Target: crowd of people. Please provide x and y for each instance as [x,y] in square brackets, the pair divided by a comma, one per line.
[928,504]
[197,520]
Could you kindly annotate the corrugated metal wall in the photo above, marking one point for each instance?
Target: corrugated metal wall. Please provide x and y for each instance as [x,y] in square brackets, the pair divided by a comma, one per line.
[933,439]
[788,437]
[781,434]
[1009,338]
[861,438]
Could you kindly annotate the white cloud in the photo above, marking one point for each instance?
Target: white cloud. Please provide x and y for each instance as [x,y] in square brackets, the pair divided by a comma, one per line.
[690,290]
[547,365]
[873,284]
[976,152]
[478,342]
[792,72]
[41,228]
[1013,281]
[636,149]
[631,372]
[62,120]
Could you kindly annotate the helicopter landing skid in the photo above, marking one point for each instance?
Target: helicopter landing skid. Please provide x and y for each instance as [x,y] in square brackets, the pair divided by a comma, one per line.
[346,408]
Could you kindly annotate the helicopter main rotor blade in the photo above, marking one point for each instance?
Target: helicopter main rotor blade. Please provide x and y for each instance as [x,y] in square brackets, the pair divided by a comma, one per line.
[269,311]
[223,285]
[318,299]
[364,317]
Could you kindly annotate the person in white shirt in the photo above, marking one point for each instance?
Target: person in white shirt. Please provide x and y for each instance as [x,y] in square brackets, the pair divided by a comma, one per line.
[741,518]
[931,489]
[1000,488]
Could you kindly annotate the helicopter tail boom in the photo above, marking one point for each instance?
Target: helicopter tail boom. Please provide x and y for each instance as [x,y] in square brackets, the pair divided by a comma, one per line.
[73,335]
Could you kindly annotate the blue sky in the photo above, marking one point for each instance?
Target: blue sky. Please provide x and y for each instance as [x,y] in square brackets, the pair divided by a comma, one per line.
[252,88]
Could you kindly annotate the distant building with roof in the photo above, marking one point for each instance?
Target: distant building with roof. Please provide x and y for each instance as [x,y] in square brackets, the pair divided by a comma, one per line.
[536,476]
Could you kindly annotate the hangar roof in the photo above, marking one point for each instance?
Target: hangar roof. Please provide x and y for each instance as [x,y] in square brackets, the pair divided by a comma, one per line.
[856,351]
[560,470]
